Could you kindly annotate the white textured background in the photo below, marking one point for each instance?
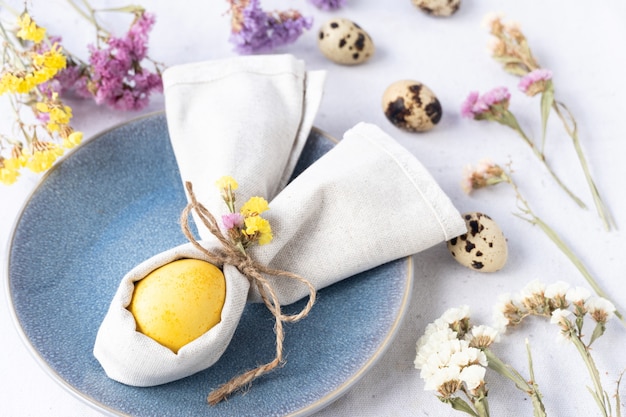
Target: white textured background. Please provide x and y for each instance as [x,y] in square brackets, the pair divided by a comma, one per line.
[580,41]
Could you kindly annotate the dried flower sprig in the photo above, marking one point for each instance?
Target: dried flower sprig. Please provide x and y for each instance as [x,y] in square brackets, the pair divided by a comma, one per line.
[116,74]
[494,106]
[453,356]
[509,46]
[29,62]
[328,4]
[255,30]
[566,307]
[487,174]
[244,227]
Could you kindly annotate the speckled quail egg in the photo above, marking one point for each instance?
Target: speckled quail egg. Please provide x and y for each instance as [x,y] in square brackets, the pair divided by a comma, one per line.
[438,7]
[412,106]
[483,248]
[344,42]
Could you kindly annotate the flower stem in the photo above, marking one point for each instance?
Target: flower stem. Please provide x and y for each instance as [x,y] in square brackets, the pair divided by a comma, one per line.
[618,400]
[572,131]
[575,260]
[511,121]
[538,408]
[509,372]
[598,393]
[9,8]
[534,219]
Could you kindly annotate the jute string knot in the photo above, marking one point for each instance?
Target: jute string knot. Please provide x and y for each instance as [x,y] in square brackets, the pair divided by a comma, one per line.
[255,272]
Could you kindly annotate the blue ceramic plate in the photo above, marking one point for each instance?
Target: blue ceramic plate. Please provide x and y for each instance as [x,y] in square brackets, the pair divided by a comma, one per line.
[116,201]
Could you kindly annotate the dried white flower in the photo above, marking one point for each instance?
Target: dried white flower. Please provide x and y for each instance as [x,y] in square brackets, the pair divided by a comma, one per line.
[473,376]
[500,322]
[431,342]
[482,336]
[468,356]
[560,317]
[557,289]
[454,315]
[512,26]
[533,289]
[445,380]
[577,295]
[600,309]
[491,18]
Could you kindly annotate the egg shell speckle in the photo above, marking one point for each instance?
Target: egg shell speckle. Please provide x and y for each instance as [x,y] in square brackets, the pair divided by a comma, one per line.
[344,42]
[483,248]
[412,106]
[438,7]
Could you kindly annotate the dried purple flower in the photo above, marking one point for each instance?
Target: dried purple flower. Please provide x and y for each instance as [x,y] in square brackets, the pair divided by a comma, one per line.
[254,30]
[118,79]
[478,107]
[328,4]
[232,220]
[535,82]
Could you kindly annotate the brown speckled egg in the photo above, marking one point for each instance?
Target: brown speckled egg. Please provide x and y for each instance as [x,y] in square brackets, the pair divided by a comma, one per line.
[438,7]
[483,248]
[412,106]
[344,42]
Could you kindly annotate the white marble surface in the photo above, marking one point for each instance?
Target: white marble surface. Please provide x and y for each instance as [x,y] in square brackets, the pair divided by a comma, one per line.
[580,41]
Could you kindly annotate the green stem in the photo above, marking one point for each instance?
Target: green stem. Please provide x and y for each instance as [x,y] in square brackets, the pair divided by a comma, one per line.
[509,372]
[618,400]
[534,219]
[9,8]
[598,393]
[574,259]
[538,408]
[482,406]
[509,120]
[572,131]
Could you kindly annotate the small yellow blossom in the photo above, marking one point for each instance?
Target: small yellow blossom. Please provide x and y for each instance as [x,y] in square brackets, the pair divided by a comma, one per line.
[53,59]
[9,170]
[225,182]
[43,156]
[259,228]
[73,139]
[29,30]
[254,206]
[18,156]
[9,83]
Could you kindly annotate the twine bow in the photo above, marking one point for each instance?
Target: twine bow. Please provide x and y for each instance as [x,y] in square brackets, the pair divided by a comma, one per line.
[254,271]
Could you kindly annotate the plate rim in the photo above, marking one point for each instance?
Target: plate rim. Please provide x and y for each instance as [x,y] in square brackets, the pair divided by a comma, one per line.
[84,398]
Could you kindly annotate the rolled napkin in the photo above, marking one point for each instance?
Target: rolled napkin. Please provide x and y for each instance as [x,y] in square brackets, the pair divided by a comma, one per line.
[366,202]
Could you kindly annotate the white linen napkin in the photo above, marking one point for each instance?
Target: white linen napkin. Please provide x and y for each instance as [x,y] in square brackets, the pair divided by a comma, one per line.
[366,202]
[247,117]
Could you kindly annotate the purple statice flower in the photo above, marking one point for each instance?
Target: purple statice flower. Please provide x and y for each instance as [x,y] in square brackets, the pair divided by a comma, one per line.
[232,220]
[468,106]
[535,81]
[118,79]
[254,30]
[476,106]
[328,4]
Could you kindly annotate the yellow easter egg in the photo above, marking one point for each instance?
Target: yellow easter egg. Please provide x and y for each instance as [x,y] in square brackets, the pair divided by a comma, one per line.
[178,302]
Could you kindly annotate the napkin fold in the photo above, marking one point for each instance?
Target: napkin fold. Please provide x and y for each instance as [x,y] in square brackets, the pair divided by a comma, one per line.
[366,202]
[248,117]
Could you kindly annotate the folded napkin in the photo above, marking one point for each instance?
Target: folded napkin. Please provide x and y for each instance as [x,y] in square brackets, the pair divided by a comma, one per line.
[366,202]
